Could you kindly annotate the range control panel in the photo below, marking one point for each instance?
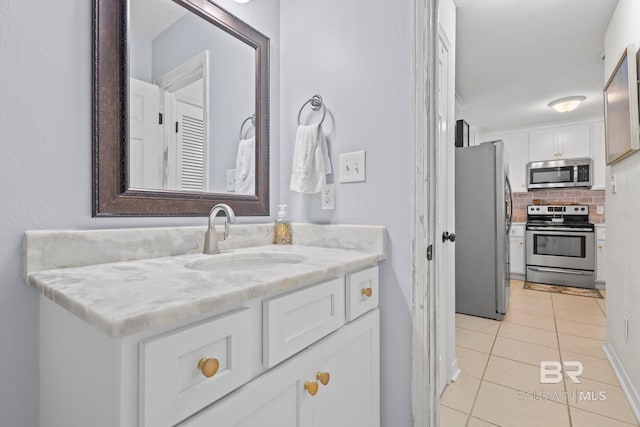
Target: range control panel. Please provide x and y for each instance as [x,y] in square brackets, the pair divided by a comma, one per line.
[559,210]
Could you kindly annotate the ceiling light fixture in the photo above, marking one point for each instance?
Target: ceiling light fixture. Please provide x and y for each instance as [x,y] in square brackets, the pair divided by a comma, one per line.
[564,105]
[241,1]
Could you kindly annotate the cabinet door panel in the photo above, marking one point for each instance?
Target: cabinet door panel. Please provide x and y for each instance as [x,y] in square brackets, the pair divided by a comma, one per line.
[574,142]
[517,255]
[598,156]
[275,399]
[544,145]
[295,320]
[351,357]
[601,272]
[172,386]
[517,148]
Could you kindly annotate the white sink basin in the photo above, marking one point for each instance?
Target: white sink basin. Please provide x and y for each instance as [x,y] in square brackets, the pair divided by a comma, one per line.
[246,261]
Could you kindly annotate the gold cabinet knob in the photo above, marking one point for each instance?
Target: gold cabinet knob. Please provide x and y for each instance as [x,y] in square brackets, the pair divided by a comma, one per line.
[323,377]
[521,243]
[208,367]
[367,291]
[311,387]
[599,246]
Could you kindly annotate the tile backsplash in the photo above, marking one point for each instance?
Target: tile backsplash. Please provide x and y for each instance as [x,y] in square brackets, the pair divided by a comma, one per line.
[593,198]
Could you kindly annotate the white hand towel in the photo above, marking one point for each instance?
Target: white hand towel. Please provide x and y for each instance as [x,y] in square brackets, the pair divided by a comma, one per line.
[246,167]
[310,160]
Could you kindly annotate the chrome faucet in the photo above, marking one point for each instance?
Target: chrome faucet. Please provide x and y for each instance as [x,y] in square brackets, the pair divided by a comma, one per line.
[212,237]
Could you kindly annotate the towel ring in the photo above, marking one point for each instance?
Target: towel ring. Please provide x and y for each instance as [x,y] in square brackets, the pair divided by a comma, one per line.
[253,123]
[316,103]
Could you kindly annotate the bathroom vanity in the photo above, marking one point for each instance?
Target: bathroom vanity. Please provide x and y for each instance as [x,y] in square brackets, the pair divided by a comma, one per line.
[257,335]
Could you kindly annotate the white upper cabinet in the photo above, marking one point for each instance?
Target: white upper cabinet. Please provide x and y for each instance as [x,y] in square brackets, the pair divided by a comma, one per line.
[598,156]
[585,139]
[565,142]
[517,148]
[544,144]
[573,142]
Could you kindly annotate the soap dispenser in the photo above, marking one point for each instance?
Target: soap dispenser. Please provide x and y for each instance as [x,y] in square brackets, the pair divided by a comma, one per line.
[282,229]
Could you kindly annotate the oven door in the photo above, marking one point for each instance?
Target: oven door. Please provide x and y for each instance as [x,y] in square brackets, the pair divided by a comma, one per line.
[567,249]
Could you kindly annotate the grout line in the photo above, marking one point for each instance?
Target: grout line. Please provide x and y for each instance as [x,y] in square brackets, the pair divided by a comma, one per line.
[564,382]
[604,313]
[484,371]
[524,391]
[473,330]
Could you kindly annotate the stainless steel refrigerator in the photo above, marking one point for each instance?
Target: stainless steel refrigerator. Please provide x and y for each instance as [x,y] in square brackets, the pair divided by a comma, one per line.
[484,209]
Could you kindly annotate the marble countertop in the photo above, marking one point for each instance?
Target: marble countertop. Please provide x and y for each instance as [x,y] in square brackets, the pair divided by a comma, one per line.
[123,298]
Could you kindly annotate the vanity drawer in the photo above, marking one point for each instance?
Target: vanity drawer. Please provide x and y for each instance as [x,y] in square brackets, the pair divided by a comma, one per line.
[517,230]
[294,321]
[172,385]
[362,292]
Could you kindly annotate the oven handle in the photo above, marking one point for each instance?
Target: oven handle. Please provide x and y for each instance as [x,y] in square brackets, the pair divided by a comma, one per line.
[561,270]
[563,229]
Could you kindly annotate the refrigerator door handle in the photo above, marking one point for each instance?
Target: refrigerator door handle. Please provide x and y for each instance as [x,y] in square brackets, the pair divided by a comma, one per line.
[510,217]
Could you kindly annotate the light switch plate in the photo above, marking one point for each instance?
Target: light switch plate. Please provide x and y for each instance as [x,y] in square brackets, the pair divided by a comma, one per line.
[327,197]
[231,180]
[352,167]
[614,188]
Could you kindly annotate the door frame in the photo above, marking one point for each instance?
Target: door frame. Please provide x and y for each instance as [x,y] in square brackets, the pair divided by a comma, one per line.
[425,399]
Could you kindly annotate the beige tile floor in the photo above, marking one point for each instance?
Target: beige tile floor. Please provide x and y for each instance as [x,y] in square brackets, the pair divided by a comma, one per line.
[500,363]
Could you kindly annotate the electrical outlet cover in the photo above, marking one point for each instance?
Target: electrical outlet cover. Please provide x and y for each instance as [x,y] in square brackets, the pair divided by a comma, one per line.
[327,197]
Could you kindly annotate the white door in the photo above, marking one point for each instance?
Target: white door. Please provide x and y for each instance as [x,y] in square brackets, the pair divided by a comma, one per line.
[192,173]
[445,202]
[145,143]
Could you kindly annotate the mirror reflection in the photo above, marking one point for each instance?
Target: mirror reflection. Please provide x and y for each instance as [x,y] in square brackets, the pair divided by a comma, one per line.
[192,103]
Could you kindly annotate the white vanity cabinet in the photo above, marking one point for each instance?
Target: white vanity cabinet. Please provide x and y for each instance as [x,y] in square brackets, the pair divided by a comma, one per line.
[347,361]
[516,251]
[256,364]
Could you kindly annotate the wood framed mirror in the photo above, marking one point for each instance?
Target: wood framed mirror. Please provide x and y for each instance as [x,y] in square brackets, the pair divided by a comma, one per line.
[123,188]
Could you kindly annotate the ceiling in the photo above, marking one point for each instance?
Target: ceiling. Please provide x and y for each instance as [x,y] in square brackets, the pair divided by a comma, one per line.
[513,57]
[150,18]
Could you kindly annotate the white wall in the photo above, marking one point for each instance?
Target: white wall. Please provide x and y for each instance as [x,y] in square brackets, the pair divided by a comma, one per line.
[623,269]
[357,56]
[45,161]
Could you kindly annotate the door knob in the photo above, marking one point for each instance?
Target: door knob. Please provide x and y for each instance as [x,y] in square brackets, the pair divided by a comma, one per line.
[323,377]
[208,367]
[448,236]
[311,387]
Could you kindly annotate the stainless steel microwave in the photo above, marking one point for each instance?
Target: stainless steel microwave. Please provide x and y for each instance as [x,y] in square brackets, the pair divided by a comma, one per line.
[566,173]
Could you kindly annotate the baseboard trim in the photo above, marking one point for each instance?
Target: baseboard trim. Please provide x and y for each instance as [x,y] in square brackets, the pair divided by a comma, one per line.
[455,370]
[601,285]
[623,378]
